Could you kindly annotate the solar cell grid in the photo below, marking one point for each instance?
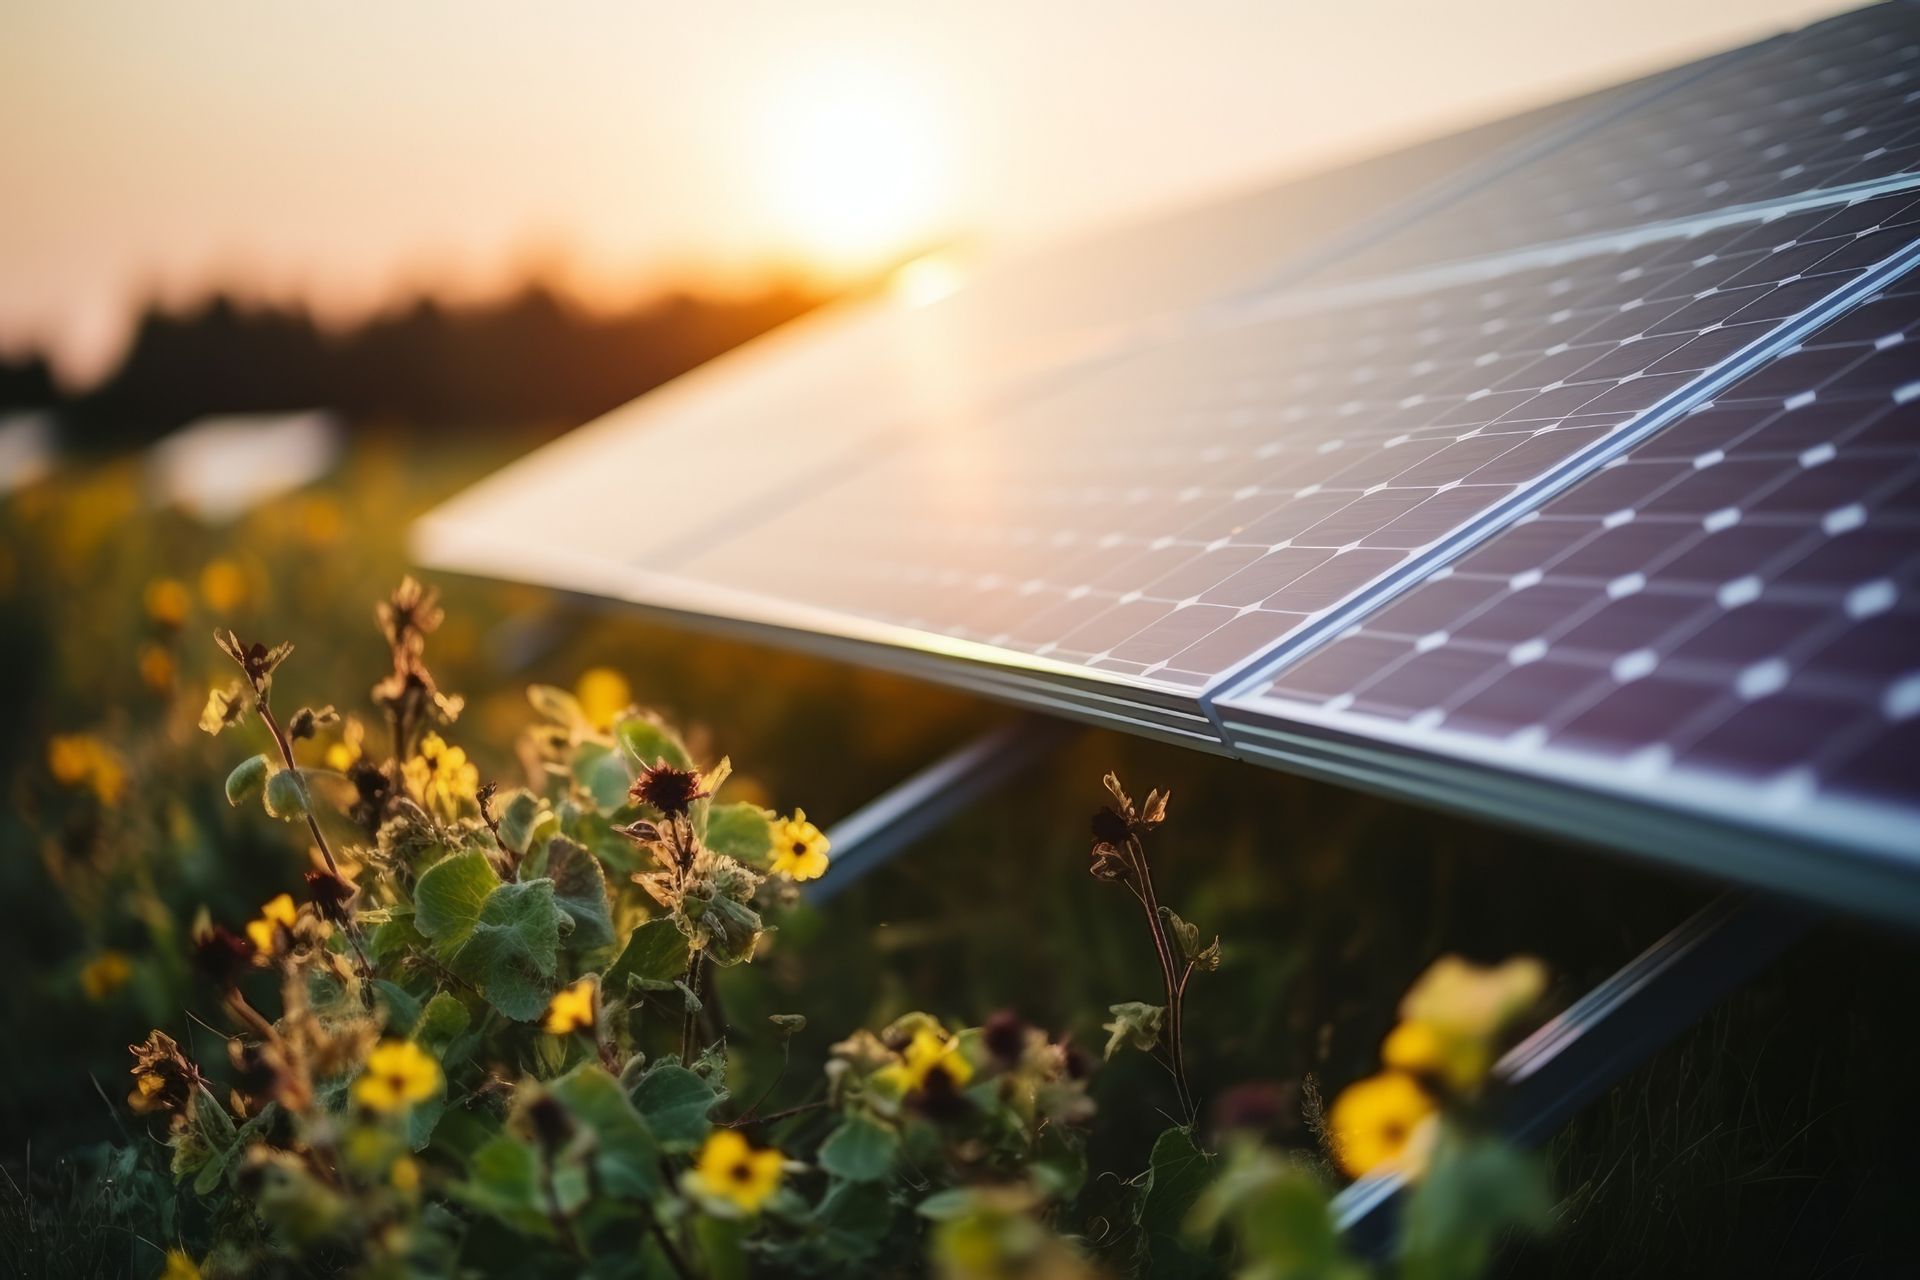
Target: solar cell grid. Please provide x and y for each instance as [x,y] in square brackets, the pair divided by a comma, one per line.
[1829,106]
[1739,594]
[1174,511]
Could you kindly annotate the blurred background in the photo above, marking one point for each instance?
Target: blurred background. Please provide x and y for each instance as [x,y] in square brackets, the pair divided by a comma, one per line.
[279,278]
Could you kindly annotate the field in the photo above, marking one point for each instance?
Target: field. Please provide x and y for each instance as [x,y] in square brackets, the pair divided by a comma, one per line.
[1776,1138]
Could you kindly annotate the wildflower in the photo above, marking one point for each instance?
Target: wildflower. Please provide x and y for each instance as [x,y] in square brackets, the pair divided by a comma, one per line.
[163,1078]
[730,1171]
[180,1267]
[331,893]
[105,974]
[799,848]
[603,694]
[398,1075]
[669,788]
[276,915]
[441,778]
[405,1175]
[1469,1000]
[1380,1123]
[224,707]
[80,759]
[344,754]
[219,953]
[223,585]
[167,602]
[409,615]
[571,1008]
[931,1059]
[320,521]
[156,667]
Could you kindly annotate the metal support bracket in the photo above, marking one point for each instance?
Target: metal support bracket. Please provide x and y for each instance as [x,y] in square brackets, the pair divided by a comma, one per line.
[878,830]
[1578,1055]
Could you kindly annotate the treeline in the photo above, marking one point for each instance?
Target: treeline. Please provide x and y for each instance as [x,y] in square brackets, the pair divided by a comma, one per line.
[532,358]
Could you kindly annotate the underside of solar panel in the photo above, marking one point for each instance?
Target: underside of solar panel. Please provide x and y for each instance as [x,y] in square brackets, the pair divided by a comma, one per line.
[1567,469]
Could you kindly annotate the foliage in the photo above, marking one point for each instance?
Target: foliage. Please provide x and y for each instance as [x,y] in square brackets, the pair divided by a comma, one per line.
[492,1037]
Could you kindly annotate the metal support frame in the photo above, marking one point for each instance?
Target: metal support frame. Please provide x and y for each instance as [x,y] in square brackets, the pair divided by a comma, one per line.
[1609,1031]
[874,833]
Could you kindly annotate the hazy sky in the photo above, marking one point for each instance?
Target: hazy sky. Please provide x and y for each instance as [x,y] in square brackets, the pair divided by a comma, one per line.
[341,151]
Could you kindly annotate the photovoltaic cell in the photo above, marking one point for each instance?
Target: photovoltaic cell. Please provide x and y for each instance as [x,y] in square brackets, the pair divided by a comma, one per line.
[1833,105]
[1169,515]
[1738,596]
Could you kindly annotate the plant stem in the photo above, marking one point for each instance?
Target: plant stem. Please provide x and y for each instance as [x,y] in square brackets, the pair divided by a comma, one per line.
[690,1022]
[313,820]
[1175,986]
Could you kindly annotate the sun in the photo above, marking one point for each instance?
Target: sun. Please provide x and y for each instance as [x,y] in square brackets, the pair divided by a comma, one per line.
[856,169]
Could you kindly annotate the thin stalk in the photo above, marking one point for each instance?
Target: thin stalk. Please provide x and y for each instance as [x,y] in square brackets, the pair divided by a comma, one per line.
[1175,986]
[313,821]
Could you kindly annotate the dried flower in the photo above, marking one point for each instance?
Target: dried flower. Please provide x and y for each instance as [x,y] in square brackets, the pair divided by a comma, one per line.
[799,848]
[164,1080]
[669,788]
[220,954]
[224,707]
[331,893]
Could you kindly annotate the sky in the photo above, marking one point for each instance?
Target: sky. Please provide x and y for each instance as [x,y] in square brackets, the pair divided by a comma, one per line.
[343,153]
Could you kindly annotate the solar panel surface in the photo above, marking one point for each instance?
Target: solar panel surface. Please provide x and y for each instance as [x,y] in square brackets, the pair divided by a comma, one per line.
[1117,484]
[1831,106]
[1170,515]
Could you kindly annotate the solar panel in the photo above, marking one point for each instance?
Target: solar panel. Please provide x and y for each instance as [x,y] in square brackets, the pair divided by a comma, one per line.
[1170,515]
[1119,484]
[1727,616]
[1833,106]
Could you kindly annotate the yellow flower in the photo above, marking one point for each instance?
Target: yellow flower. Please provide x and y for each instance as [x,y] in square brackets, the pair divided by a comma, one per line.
[730,1171]
[105,974]
[320,521]
[1382,1123]
[928,1052]
[278,914]
[799,848]
[167,601]
[343,754]
[603,694]
[571,1009]
[180,1267]
[1472,1001]
[398,1075]
[441,777]
[77,759]
[1421,1049]
[223,585]
[156,667]
[405,1176]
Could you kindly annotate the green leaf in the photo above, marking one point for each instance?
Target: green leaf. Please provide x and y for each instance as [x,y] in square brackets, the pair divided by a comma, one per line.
[1280,1212]
[440,1022]
[860,1150]
[942,1206]
[523,818]
[450,896]
[1177,1172]
[720,1244]
[580,888]
[503,1179]
[626,1153]
[655,952]
[603,774]
[393,936]
[514,948]
[249,776]
[284,798]
[1474,1189]
[403,1010]
[647,741]
[674,1102]
[743,831]
[856,1217]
